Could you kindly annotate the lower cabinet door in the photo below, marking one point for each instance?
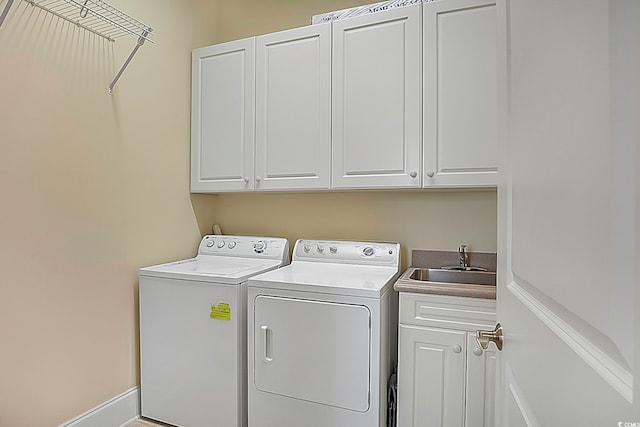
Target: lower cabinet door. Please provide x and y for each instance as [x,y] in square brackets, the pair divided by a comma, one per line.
[431,376]
[482,367]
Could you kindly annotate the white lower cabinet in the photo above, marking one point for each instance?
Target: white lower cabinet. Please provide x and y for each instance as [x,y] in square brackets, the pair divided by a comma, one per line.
[444,377]
[482,368]
[431,377]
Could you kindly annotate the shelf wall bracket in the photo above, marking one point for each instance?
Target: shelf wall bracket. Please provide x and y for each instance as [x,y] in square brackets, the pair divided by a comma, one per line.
[140,42]
[5,11]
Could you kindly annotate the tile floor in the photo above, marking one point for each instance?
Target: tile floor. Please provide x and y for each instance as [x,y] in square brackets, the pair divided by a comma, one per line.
[141,422]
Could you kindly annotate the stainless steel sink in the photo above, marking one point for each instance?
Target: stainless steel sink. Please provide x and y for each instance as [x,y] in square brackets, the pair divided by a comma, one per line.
[440,275]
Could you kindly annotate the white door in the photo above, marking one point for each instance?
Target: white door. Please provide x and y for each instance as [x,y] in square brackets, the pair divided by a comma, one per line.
[293,109]
[569,296]
[313,350]
[222,116]
[376,97]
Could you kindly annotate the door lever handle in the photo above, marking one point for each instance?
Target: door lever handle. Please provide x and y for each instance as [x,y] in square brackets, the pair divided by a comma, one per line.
[484,337]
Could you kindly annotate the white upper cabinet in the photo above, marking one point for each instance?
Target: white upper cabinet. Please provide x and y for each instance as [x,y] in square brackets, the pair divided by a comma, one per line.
[222,117]
[460,93]
[402,98]
[293,110]
[376,95]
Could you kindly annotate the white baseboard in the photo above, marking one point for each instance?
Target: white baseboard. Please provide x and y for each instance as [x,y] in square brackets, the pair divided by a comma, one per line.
[115,412]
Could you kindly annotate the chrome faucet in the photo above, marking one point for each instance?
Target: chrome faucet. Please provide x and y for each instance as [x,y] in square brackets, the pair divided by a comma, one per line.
[464,256]
[463,261]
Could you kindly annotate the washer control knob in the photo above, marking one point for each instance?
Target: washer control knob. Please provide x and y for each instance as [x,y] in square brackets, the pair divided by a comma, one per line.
[221,244]
[210,243]
[333,249]
[259,246]
[368,251]
[320,249]
[306,247]
[231,245]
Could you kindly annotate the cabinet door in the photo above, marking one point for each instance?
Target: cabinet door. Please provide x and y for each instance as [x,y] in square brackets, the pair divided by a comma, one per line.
[293,111]
[482,368]
[460,94]
[376,99]
[222,117]
[431,377]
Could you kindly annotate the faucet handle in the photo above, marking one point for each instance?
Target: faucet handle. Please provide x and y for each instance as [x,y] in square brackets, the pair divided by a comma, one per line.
[462,248]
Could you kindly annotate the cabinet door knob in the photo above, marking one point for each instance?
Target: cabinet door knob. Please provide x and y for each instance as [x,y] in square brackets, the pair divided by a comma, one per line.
[258,179]
[457,348]
[245,179]
[413,174]
[478,351]
[431,174]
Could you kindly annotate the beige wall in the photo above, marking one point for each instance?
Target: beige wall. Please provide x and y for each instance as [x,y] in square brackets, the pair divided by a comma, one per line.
[93,187]
[244,18]
[415,219]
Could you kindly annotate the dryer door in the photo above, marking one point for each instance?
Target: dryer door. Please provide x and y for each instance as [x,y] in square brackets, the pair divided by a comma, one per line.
[313,350]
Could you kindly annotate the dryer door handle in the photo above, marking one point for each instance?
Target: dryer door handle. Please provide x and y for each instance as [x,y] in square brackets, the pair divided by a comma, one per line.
[266,342]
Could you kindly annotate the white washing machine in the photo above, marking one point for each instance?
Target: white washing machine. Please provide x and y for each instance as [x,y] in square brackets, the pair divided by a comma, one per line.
[321,334]
[193,331]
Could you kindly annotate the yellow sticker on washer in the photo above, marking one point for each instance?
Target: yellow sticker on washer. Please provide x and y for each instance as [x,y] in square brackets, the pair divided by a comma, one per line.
[220,312]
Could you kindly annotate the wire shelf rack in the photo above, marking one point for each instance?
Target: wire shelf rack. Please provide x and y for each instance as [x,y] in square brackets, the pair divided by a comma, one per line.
[97,17]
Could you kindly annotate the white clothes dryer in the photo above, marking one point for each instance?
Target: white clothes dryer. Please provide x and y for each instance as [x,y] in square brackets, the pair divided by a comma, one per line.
[321,334]
[193,331]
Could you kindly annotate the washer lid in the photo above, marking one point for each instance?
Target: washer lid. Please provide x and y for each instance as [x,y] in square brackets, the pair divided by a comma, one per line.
[343,279]
[219,269]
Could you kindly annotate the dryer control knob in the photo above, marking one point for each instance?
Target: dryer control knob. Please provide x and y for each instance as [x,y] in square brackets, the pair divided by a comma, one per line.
[333,249]
[259,246]
[210,243]
[221,244]
[320,249]
[231,245]
[368,251]
[306,247]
